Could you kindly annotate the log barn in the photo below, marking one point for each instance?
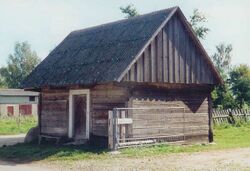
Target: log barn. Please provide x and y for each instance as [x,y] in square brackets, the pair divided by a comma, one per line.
[152,65]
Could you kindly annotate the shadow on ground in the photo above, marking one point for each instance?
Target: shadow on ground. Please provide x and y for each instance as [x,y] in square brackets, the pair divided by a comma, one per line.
[25,153]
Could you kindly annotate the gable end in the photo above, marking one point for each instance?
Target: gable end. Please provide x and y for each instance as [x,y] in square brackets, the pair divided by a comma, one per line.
[173,55]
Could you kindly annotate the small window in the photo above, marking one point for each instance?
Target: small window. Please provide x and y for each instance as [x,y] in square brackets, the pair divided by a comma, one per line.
[32,98]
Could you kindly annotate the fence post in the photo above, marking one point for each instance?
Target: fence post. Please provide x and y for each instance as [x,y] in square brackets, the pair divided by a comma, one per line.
[123,127]
[231,116]
[245,115]
[210,122]
[110,130]
[115,130]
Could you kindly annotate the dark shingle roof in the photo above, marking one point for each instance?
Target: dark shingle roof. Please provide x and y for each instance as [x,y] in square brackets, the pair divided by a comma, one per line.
[97,54]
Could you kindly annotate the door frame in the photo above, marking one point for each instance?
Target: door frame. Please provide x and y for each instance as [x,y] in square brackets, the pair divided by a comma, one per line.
[71,110]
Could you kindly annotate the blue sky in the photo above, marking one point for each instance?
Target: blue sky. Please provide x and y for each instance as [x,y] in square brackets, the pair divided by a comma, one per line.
[45,23]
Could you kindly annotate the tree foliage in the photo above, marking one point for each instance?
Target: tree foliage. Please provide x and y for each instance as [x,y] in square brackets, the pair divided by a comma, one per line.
[222,95]
[197,20]
[19,65]
[2,80]
[240,81]
[129,11]
[222,59]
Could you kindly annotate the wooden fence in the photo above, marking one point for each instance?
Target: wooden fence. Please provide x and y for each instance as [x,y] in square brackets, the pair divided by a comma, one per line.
[146,126]
[230,116]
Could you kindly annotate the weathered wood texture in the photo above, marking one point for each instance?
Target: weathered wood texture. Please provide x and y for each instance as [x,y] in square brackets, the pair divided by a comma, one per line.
[230,116]
[189,119]
[54,112]
[104,98]
[172,57]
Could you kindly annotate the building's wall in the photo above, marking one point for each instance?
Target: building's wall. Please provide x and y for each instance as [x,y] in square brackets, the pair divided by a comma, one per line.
[54,112]
[172,57]
[4,110]
[105,98]
[17,100]
[192,121]
[55,109]
[34,109]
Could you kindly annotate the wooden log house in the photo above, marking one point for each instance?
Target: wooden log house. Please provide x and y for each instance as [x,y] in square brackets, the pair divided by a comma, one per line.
[152,60]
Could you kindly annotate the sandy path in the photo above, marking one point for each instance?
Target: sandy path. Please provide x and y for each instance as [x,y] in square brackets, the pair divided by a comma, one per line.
[235,159]
[228,160]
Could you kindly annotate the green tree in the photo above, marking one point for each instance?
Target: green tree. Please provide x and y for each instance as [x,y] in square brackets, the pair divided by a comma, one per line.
[19,64]
[222,59]
[2,80]
[129,10]
[197,20]
[240,81]
[222,95]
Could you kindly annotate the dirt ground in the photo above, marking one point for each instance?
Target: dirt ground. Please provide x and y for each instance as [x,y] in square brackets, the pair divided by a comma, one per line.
[236,159]
[233,159]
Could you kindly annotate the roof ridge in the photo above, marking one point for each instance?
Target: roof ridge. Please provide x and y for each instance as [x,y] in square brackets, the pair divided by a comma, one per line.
[123,20]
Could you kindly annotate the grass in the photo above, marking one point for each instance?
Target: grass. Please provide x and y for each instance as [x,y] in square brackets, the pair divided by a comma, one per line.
[16,125]
[225,137]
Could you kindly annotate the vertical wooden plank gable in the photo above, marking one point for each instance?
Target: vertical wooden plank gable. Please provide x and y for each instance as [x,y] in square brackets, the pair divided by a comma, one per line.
[165,56]
[171,57]
[146,66]
[153,61]
[159,57]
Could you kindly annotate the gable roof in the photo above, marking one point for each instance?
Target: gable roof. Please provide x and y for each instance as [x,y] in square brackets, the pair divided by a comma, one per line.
[98,54]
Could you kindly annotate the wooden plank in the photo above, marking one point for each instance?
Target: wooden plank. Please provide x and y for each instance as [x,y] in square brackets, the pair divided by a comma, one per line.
[182,55]
[123,121]
[153,62]
[159,57]
[165,57]
[110,130]
[176,53]
[146,65]
[193,66]
[142,68]
[188,61]
[136,143]
[138,69]
[198,68]
[132,73]
[170,33]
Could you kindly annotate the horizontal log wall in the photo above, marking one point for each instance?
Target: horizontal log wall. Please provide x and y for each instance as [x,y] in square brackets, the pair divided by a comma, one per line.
[192,121]
[104,98]
[54,112]
[172,57]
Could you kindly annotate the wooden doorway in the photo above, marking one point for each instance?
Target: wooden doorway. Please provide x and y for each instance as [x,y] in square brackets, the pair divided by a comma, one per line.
[79,103]
[79,114]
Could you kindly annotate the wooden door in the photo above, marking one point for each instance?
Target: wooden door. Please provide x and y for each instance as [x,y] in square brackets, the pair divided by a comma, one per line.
[25,109]
[10,110]
[80,116]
